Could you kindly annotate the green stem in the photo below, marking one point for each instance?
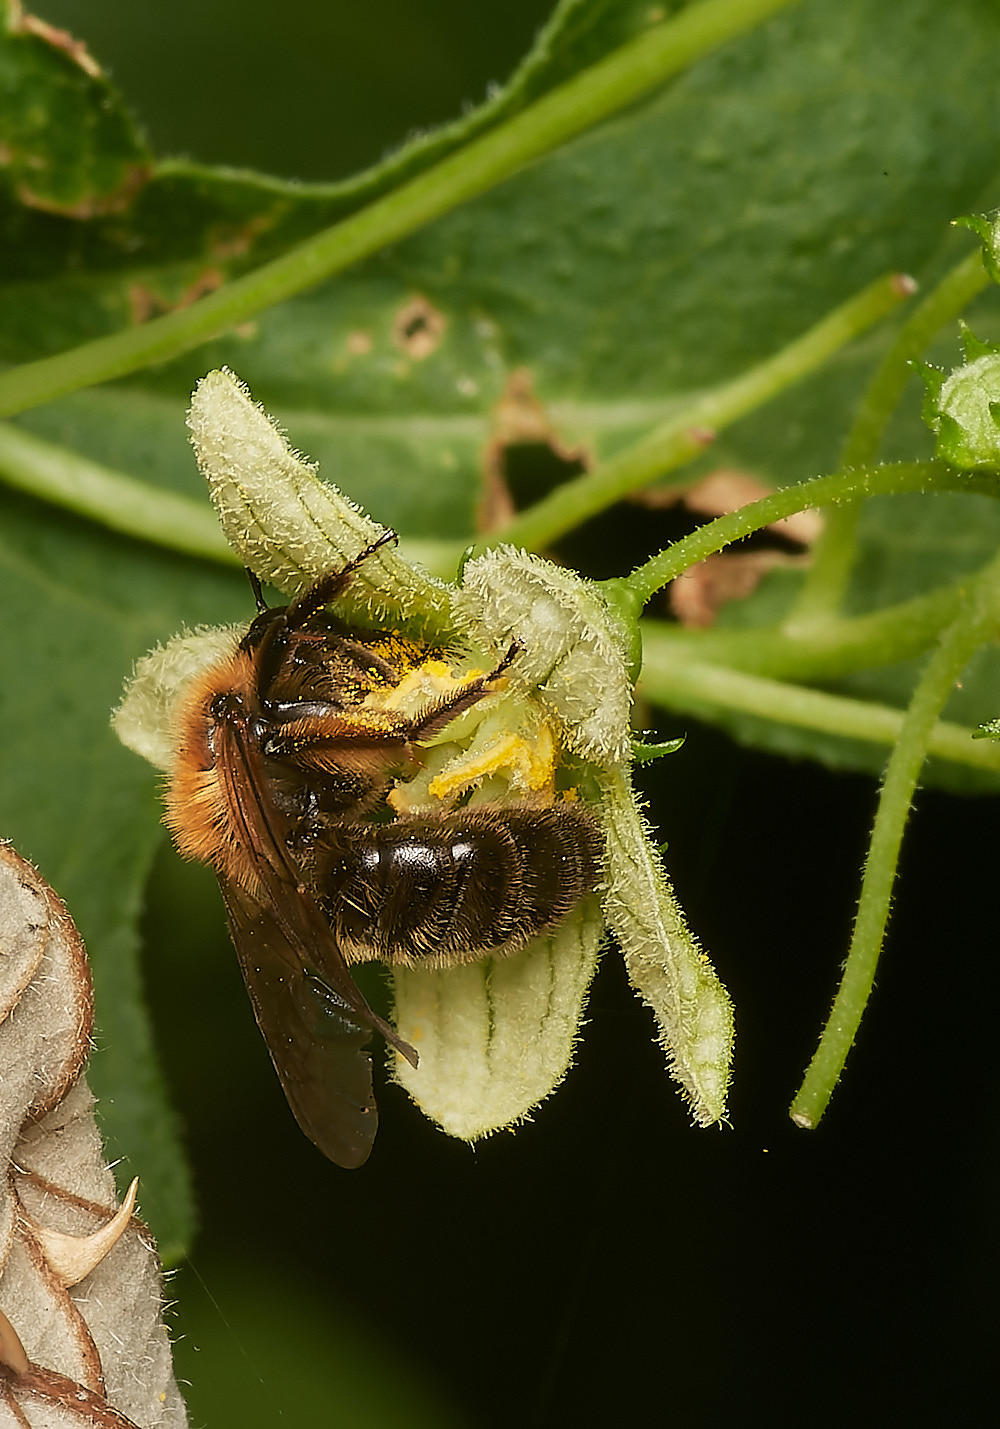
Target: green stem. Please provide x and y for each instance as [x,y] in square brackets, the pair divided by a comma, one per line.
[53,473]
[122,503]
[694,686]
[624,77]
[824,651]
[834,554]
[695,425]
[974,625]
[647,579]
[942,304]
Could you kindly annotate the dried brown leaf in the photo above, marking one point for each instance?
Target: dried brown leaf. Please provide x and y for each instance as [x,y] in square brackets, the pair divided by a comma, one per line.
[699,594]
[518,419]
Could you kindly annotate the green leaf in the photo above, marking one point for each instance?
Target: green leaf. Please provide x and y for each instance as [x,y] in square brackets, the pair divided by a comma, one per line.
[986,228]
[83,809]
[187,213]
[989,730]
[69,147]
[645,753]
[961,407]
[664,250]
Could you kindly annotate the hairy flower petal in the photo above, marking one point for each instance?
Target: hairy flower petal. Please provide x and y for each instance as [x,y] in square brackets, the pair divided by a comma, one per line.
[663,959]
[495,1037]
[573,646]
[288,525]
[145,719]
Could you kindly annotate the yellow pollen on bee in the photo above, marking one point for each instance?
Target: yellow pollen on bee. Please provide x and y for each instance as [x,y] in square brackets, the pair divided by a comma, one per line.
[431,679]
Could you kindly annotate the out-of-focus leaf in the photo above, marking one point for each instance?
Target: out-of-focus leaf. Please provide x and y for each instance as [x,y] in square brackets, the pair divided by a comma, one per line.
[78,805]
[188,214]
[70,149]
[258,1352]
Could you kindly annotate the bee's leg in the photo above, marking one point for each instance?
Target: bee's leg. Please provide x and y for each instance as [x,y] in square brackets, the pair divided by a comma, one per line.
[329,585]
[395,733]
[440,712]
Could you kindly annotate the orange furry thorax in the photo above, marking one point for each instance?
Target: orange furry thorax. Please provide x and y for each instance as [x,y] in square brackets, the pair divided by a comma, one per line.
[199,798]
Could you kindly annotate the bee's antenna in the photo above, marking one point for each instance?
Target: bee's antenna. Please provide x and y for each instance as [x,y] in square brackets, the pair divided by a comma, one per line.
[329,585]
[515,648]
[258,593]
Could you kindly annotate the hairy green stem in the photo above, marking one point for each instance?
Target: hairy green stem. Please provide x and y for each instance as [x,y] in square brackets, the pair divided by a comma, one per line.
[697,421]
[56,474]
[975,624]
[625,76]
[834,554]
[942,304]
[698,687]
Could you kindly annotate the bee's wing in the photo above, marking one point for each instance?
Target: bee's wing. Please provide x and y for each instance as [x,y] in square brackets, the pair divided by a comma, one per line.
[318,1049]
[313,1016]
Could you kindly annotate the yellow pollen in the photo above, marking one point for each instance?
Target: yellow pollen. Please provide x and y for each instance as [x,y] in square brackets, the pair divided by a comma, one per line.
[529,765]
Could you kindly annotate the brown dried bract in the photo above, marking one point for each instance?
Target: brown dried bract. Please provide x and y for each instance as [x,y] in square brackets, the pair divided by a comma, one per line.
[59,1399]
[83,1341]
[11,1350]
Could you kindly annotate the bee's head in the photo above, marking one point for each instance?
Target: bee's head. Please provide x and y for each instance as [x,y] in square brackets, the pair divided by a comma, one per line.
[266,625]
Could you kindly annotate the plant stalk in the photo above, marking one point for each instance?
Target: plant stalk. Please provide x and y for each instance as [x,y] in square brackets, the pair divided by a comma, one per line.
[694,685]
[834,555]
[975,624]
[623,77]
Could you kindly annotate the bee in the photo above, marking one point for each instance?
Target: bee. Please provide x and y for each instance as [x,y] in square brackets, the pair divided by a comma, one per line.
[281,784]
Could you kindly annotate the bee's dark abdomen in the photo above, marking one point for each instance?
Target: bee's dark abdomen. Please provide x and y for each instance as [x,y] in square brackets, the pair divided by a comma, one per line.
[421,888]
[562,861]
[448,889]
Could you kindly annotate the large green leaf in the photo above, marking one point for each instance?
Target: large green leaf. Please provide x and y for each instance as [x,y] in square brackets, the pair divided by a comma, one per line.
[662,251]
[61,119]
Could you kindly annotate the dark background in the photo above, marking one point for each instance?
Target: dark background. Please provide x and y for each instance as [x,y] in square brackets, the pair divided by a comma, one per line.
[608,1263]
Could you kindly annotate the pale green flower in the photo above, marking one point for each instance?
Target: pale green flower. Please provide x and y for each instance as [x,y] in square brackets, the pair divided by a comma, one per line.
[962,407]
[494,1036]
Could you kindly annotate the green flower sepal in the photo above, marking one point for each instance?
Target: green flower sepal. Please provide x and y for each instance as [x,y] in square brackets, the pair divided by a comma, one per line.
[987,229]
[990,729]
[496,1035]
[962,407]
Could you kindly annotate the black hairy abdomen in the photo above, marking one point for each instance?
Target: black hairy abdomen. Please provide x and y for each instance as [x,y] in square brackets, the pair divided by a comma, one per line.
[455,886]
